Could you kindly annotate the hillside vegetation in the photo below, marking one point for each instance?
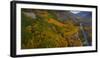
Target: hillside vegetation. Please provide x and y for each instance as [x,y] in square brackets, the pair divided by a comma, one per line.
[46,31]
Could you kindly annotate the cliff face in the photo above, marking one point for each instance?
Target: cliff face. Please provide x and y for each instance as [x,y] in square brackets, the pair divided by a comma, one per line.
[47,30]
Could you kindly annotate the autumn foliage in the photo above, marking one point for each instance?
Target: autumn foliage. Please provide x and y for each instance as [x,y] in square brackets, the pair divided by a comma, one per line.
[46,31]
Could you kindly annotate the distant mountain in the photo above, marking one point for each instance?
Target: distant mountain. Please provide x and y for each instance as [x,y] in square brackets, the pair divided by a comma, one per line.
[65,15]
[84,14]
[84,17]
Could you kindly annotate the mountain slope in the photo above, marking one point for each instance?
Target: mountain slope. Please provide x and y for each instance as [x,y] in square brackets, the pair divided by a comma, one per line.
[47,30]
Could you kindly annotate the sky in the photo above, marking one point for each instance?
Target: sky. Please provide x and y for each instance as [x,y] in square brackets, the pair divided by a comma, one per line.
[75,11]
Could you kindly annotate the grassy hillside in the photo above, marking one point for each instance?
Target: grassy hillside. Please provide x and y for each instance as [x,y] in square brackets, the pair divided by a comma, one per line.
[46,31]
